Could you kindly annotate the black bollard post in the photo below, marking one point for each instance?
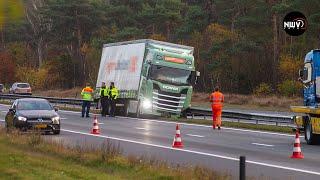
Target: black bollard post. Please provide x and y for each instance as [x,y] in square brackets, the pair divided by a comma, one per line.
[242,168]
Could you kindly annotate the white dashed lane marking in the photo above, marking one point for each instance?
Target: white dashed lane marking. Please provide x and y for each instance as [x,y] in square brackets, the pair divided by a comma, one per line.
[195,135]
[259,144]
[140,128]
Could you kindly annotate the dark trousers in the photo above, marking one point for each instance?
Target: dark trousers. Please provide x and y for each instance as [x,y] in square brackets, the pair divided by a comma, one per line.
[86,108]
[112,106]
[104,106]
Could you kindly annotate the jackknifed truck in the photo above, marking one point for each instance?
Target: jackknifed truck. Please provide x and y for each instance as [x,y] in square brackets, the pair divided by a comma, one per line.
[309,122]
[153,77]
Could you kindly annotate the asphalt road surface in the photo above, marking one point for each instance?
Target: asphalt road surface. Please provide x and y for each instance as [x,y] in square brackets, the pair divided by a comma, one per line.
[268,154]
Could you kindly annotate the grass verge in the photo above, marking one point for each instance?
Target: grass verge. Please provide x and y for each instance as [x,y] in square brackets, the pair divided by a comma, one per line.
[5,102]
[29,156]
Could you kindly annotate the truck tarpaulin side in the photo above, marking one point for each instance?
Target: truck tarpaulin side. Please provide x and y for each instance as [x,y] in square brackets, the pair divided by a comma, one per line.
[122,65]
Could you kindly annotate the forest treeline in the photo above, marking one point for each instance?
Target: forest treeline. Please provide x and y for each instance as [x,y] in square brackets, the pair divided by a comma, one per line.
[239,44]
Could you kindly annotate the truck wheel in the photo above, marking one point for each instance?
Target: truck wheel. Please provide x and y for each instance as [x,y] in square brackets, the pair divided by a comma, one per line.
[126,109]
[138,113]
[308,134]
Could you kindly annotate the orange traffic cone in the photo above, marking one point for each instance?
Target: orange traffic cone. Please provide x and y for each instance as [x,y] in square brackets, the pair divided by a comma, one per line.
[95,129]
[297,154]
[177,141]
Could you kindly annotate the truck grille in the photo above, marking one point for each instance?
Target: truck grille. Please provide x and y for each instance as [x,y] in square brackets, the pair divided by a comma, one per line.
[166,101]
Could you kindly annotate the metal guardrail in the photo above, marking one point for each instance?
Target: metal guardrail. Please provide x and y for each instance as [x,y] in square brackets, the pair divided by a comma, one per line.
[194,112]
[69,101]
[256,118]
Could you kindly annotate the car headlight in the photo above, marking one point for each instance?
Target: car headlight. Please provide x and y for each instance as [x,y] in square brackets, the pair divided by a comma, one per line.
[146,104]
[55,120]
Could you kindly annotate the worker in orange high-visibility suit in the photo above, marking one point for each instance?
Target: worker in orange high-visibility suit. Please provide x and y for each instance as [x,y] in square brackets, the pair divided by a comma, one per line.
[216,99]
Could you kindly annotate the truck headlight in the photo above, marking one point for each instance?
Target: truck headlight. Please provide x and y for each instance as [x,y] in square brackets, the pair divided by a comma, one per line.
[20,118]
[146,104]
[55,120]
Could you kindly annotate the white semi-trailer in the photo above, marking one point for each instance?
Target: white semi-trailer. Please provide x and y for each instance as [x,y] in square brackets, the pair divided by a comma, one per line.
[153,77]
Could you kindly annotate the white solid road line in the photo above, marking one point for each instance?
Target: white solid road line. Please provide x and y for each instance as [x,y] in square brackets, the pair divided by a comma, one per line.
[197,152]
[259,144]
[194,135]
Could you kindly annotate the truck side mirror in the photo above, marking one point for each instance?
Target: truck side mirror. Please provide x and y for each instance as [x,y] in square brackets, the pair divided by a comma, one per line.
[148,69]
[197,77]
[300,73]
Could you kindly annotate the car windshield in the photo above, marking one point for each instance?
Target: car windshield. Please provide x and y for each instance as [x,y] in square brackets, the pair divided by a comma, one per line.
[23,85]
[34,105]
[170,75]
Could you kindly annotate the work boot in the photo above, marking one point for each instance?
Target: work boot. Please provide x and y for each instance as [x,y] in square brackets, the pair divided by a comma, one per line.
[218,127]
[213,127]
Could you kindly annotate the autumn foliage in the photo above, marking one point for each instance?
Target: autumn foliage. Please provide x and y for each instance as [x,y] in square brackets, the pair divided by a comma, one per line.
[238,45]
[7,68]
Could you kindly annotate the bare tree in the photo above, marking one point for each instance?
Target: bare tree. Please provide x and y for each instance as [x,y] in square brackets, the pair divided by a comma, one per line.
[34,17]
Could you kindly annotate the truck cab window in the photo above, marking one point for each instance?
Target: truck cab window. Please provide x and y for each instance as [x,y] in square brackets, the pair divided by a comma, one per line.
[307,73]
[170,75]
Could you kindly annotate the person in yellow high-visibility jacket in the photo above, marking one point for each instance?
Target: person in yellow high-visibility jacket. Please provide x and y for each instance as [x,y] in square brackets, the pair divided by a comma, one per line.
[86,94]
[113,95]
[104,98]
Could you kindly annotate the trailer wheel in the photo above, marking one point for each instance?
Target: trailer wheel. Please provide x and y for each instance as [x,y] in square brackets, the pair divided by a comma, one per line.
[308,134]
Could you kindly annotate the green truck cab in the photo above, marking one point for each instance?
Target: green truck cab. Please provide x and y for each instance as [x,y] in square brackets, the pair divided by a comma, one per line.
[153,77]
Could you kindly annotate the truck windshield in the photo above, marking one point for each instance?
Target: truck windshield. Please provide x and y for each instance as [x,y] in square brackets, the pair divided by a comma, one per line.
[170,75]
